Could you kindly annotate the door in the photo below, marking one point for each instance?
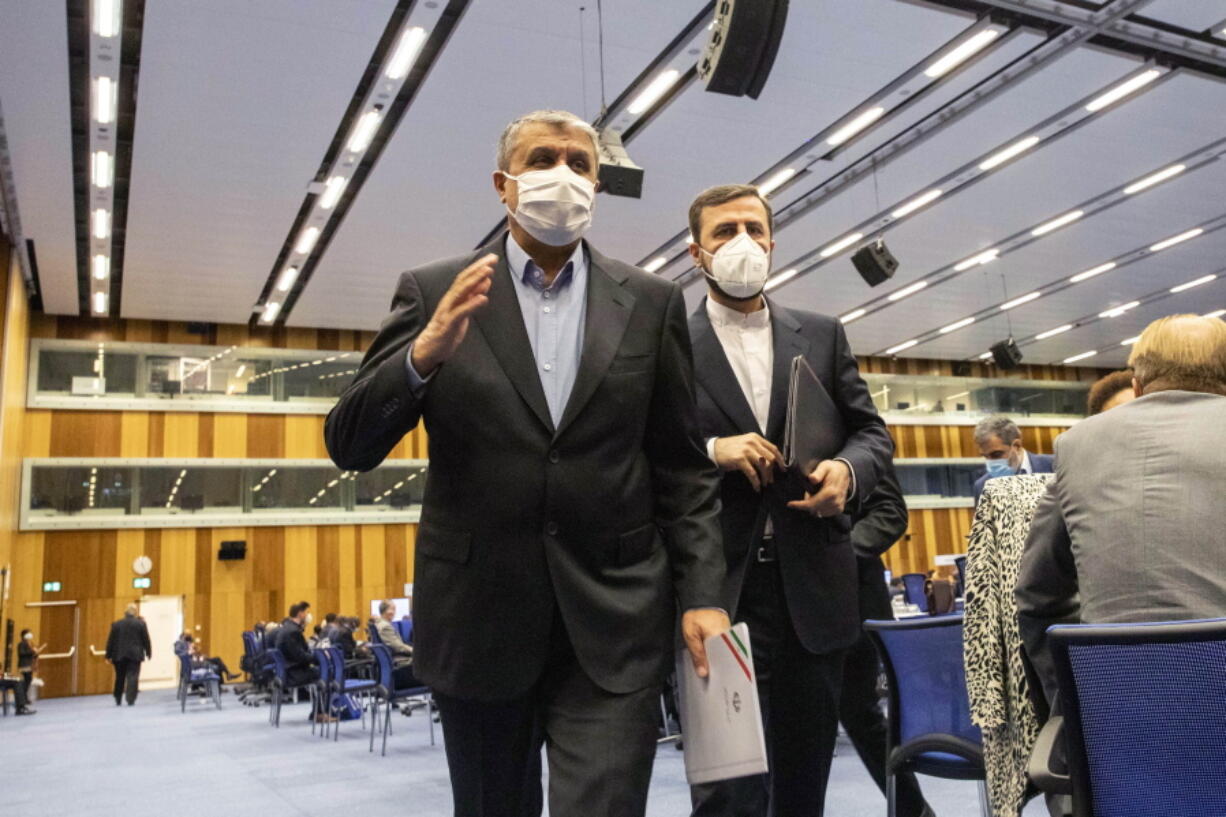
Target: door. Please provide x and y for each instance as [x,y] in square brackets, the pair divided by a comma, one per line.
[163,616]
[59,626]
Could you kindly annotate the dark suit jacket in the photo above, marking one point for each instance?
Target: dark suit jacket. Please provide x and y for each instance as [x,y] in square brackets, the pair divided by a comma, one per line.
[609,519]
[344,639]
[880,524]
[129,639]
[815,555]
[1039,464]
[293,646]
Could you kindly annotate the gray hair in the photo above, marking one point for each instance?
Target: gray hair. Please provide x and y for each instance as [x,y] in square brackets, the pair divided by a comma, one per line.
[384,606]
[997,426]
[131,610]
[558,119]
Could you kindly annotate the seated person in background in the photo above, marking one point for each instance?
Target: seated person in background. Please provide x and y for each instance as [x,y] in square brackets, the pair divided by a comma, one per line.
[1000,443]
[1108,392]
[299,663]
[344,636]
[897,589]
[329,629]
[402,653]
[268,638]
[187,645]
[19,694]
[1131,529]
[27,660]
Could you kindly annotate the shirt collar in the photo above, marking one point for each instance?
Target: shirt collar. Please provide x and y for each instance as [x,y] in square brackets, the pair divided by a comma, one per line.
[722,316]
[525,270]
[1025,469]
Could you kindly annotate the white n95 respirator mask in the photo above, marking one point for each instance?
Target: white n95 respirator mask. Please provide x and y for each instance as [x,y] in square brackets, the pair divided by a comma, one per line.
[555,205]
[739,268]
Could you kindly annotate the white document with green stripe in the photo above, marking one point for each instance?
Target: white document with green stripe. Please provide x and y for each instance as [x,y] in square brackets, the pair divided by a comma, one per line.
[721,721]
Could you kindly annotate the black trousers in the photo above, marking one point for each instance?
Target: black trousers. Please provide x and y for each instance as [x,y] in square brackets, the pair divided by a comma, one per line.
[27,678]
[799,694]
[600,746]
[127,679]
[860,713]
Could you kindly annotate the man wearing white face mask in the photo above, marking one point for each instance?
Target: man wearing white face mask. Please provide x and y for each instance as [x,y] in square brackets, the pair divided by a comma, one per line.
[570,509]
[792,573]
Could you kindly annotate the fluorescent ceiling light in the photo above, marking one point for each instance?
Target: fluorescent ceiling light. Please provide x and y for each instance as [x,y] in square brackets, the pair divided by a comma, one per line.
[774,182]
[306,241]
[411,42]
[1178,239]
[987,356]
[900,347]
[654,91]
[985,257]
[242,368]
[855,126]
[104,100]
[959,394]
[1115,312]
[1202,280]
[1124,89]
[103,169]
[1217,314]
[781,278]
[106,17]
[945,330]
[270,311]
[1151,180]
[1081,356]
[656,263]
[1057,223]
[1090,273]
[1051,333]
[841,244]
[332,192]
[364,131]
[287,279]
[102,267]
[1130,340]
[999,158]
[853,314]
[99,302]
[905,291]
[916,203]
[961,53]
[102,223]
[1025,299]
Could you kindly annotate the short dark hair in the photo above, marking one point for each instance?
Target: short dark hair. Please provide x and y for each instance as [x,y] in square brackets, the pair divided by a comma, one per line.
[1106,388]
[23,632]
[722,194]
[330,617]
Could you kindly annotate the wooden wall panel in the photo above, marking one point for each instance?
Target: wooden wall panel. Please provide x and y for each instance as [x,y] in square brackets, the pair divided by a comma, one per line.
[959,441]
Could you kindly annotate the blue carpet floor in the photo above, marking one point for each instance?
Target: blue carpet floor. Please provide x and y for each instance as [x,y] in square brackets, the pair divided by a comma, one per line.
[87,756]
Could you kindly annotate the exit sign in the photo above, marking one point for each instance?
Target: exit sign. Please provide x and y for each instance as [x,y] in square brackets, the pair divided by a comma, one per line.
[142,582]
[51,587]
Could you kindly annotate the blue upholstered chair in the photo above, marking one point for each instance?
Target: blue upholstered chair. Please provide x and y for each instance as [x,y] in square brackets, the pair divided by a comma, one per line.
[362,687]
[280,685]
[191,680]
[930,729]
[913,588]
[387,694]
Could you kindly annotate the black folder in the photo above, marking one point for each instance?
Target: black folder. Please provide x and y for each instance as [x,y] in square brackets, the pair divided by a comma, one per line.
[814,429]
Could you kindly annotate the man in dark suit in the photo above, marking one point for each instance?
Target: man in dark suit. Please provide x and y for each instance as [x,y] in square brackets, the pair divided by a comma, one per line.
[791,567]
[291,641]
[1000,444]
[882,521]
[126,647]
[570,510]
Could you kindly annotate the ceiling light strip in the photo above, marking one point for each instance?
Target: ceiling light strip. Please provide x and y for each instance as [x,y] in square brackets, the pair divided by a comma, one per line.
[105,66]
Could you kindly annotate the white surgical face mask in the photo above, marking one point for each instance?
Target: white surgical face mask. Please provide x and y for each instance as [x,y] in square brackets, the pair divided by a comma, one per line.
[309,619]
[555,205]
[28,636]
[739,268]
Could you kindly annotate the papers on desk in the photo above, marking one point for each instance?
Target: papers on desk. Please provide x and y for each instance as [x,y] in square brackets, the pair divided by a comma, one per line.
[721,721]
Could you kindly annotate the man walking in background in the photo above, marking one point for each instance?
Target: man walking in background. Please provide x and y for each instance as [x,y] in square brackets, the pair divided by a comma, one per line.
[126,647]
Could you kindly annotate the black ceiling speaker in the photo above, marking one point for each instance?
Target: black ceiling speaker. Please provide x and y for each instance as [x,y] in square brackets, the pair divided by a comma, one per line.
[742,47]
[618,174]
[1006,354]
[875,263]
[232,550]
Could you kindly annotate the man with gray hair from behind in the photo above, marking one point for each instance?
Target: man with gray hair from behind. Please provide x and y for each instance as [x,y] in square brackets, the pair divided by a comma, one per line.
[1131,528]
[999,441]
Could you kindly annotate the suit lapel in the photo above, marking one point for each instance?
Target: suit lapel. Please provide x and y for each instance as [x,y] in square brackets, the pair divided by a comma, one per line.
[608,313]
[502,325]
[714,373]
[787,343]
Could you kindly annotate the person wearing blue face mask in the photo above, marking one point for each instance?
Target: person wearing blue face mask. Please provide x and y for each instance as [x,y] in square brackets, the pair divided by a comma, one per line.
[1000,444]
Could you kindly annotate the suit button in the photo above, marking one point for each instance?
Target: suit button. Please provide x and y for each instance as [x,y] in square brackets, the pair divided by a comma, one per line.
[551,528]
[554,456]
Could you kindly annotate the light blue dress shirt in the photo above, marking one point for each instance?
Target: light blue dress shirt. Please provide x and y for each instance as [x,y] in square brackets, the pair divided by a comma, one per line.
[554,317]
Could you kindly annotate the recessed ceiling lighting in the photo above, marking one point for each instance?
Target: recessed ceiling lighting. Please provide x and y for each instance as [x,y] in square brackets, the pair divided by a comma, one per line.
[654,91]
[999,158]
[1090,273]
[987,356]
[102,267]
[1202,280]
[1025,299]
[1154,178]
[1130,341]
[901,347]
[107,17]
[1115,312]
[102,223]
[1124,89]
[104,100]
[333,189]
[306,241]
[1081,356]
[916,203]
[985,257]
[1051,333]
[1057,223]
[288,276]
[841,244]
[905,291]
[1216,314]
[103,169]
[411,42]
[961,53]
[270,311]
[774,182]
[1178,239]
[781,278]
[364,131]
[656,263]
[945,330]
[855,126]
[852,315]
[100,302]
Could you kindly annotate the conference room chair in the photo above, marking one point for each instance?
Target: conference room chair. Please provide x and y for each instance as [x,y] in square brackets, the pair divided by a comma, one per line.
[281,686]
[321,693]
[913,590]
[386,694]
[1143,713]
[960,563]
[193,680]
[405,627]
[930,729]
[364,688]
[372,633]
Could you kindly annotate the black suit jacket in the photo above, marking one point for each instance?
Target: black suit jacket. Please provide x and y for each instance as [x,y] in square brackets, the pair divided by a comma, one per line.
[129,639]
[881,523]
[815,555]
[293,646]
[609,518]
